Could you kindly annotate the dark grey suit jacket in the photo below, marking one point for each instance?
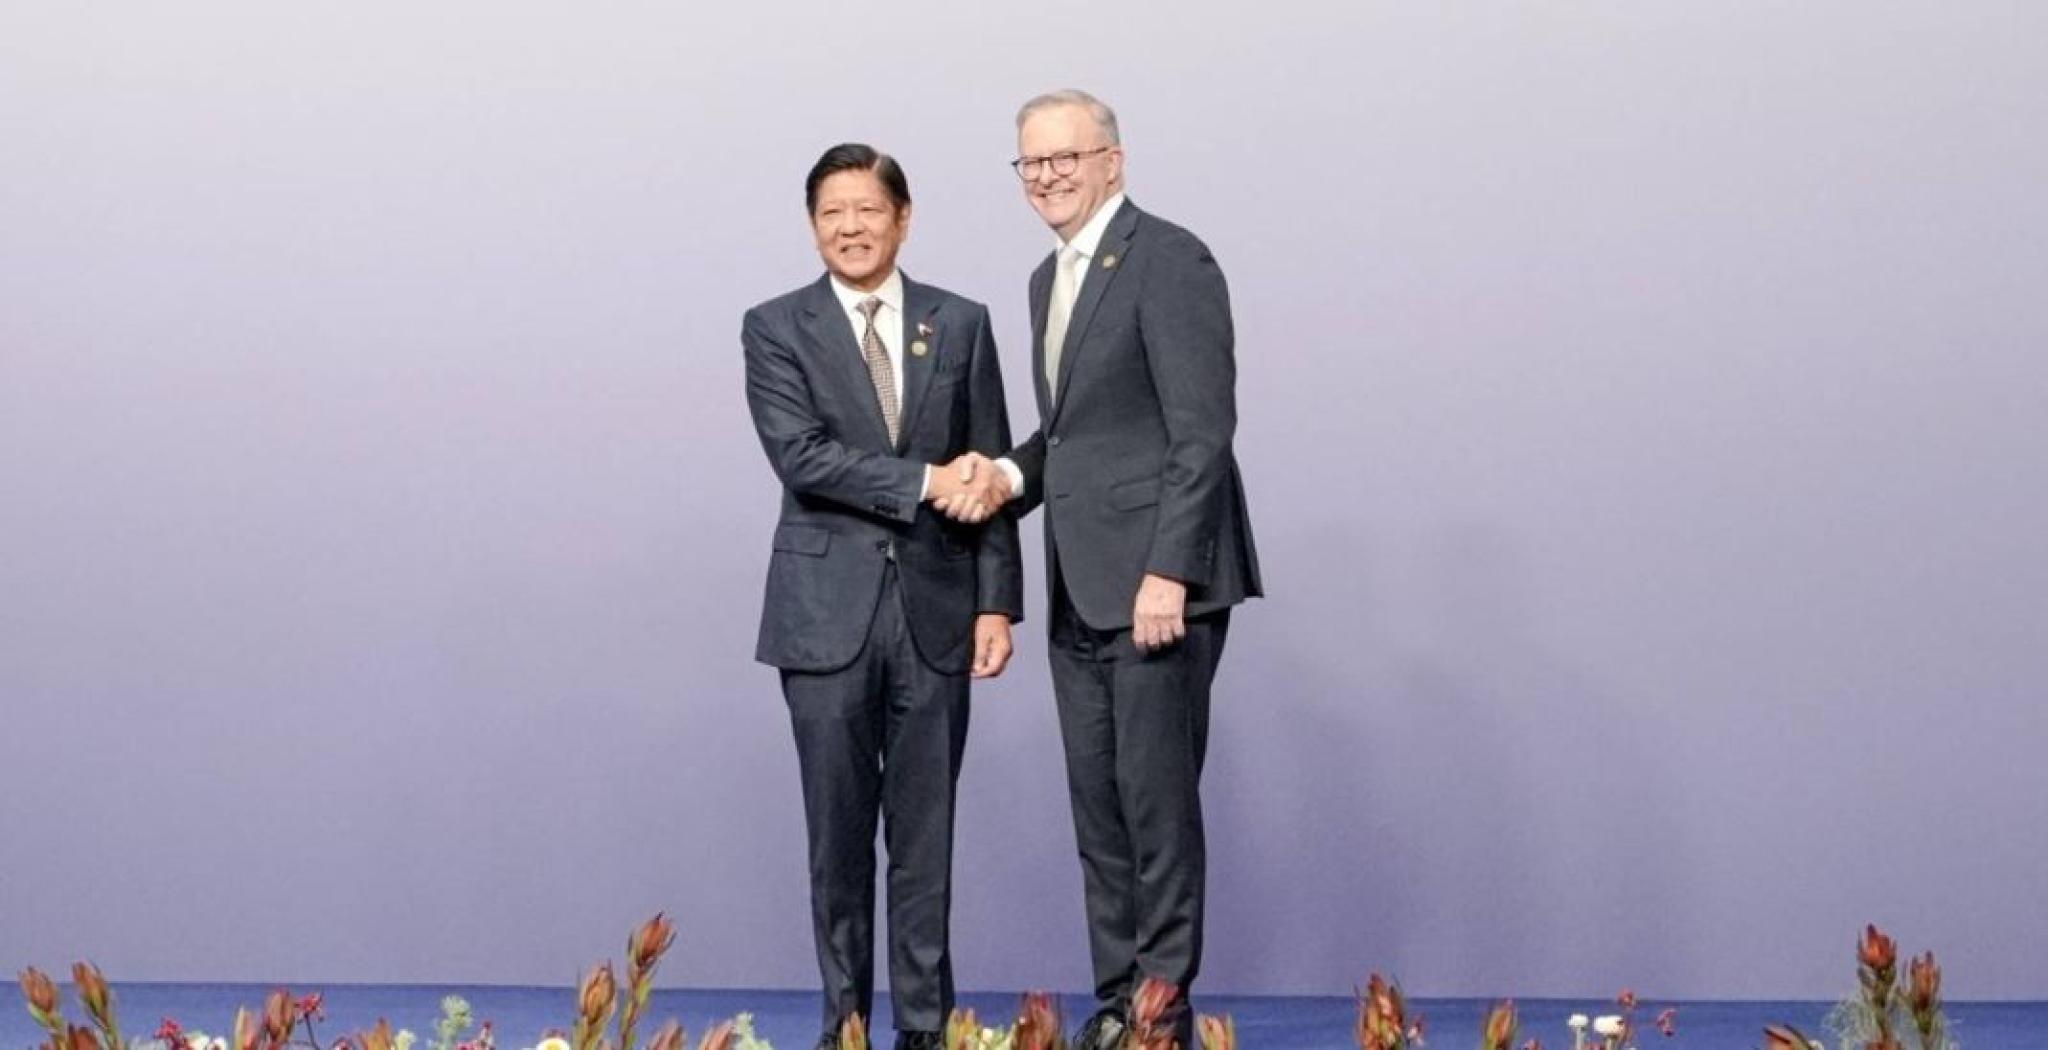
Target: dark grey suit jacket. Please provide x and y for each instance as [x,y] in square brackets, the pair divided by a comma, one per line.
[1132,460]
[850,500]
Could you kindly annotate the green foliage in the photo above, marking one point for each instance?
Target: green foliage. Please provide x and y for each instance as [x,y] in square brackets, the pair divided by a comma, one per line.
[455,1020]
[743,1037]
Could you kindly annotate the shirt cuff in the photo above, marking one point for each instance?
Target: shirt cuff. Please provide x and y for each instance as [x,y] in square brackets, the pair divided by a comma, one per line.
[1016,476]
[925,490]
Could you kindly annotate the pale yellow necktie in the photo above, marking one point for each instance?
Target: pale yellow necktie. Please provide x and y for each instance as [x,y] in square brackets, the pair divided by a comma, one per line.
[1065,288]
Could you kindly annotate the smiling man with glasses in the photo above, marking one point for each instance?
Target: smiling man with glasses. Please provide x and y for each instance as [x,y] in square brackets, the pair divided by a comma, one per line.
[1148,542]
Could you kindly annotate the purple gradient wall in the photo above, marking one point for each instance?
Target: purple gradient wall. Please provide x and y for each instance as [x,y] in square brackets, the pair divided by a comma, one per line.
[1642,413]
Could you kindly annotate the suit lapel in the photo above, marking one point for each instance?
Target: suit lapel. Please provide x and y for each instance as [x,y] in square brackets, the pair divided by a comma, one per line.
[919,308]
[1041,292]
[1103,267]
[831,337]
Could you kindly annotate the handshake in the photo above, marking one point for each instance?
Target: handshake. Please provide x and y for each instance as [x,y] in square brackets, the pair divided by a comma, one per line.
[969,489]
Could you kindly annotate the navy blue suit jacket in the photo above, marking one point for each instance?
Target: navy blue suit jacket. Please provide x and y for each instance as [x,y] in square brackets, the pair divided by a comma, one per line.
[1132,459]
[850,499]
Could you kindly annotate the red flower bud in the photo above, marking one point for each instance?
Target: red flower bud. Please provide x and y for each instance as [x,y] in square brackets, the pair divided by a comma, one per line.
[41,993]
[1500,1026]
[1217,1033]
[278,1017]
[668,1037]
[718,1038]
[92,991]
[1038,1022]
[1876,950]
[645,947]
[82,1039]
[1784,1037]
[247,1028]
[1924,979]
[853,1033]
[600,990]
[1150,1010]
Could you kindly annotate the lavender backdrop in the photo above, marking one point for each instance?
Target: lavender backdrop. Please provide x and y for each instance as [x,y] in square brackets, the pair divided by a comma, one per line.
[1642,412]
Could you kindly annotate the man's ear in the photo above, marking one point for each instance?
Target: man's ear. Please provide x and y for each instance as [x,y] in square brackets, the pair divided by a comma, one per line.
[903,220]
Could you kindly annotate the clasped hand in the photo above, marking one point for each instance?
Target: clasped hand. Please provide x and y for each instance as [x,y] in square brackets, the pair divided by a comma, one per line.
[969,489]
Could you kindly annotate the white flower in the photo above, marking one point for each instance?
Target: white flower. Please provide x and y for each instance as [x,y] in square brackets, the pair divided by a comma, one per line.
[1578,1022]
[1609,1024]
[553,1042]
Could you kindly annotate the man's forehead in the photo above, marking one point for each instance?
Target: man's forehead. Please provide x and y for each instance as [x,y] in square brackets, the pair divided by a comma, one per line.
[855,186]
[1061,126]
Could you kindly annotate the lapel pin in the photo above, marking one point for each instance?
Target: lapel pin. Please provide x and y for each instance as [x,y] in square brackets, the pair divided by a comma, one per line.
[1109,262]
[924,332]
[918,348]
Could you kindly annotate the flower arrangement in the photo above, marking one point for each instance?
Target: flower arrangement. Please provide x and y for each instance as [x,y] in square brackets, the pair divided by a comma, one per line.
[1618,1031]
[284,1018]
[1883,1008]
[1884,1013]
[1383,1021]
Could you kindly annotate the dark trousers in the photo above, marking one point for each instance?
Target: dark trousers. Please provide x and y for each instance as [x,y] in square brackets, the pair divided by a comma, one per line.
[1136,727]
[883,736]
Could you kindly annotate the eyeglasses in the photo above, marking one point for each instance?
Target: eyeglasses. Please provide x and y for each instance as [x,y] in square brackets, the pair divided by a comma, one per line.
[1063,163]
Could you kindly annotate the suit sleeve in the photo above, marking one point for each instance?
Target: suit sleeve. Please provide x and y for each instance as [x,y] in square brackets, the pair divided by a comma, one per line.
[998,564]
[1030,456]
[1184,314]
[1030,460]
[809,459]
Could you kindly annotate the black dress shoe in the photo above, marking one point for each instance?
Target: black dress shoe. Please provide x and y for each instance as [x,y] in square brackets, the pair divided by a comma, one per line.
[1104,1031]
[920,1041]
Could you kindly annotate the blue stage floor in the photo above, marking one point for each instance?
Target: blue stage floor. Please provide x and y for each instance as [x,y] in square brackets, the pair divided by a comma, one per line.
[790,1020]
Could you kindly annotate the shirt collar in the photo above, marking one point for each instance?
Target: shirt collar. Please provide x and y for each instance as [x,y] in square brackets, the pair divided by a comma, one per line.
[1090,237]
[890,293]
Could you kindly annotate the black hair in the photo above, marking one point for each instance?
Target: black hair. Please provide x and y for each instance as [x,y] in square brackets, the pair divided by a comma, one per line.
[857,156]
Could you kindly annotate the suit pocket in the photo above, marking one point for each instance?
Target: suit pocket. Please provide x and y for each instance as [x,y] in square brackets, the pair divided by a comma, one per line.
[949,376]
[1134,495]
[802,539]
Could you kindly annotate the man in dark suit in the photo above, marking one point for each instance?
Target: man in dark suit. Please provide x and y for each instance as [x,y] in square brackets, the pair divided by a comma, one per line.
[1148,543]
[866,387]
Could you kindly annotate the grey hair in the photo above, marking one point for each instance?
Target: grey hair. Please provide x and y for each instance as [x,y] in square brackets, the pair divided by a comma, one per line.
[1105,117]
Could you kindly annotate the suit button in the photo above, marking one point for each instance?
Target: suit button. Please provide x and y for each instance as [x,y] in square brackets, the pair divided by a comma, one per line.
[1054,441]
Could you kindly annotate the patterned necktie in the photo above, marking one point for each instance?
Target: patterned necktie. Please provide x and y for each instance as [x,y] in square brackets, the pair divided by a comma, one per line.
[872,351]
[1058,311]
